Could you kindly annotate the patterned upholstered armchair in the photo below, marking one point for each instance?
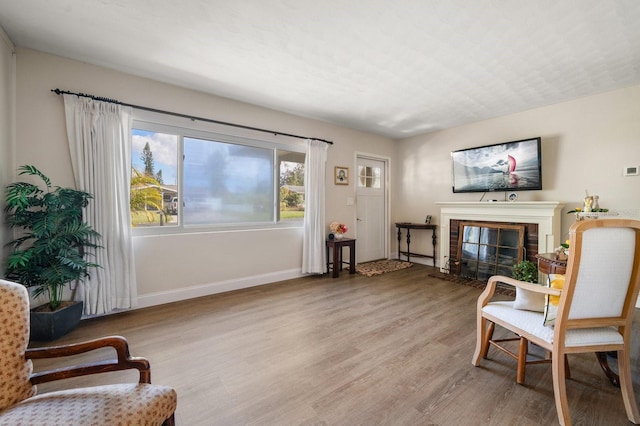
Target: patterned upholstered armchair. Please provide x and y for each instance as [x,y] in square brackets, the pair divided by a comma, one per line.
[137,403]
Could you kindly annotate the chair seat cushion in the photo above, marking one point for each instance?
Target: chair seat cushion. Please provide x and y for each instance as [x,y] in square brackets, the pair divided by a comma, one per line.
[532,323]
[125,404]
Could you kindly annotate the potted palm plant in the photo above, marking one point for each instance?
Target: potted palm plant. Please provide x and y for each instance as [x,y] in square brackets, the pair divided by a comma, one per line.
[50,249]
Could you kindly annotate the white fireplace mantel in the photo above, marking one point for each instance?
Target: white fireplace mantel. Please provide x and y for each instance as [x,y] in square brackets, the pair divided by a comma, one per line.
[545,213]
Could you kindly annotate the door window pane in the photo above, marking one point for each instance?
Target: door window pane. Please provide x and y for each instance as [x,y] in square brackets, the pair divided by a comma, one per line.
[369,177]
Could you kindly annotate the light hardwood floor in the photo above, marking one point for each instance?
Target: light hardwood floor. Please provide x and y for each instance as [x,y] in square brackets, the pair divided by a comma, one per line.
[389,350]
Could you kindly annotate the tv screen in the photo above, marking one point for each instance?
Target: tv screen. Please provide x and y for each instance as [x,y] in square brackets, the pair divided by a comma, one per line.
[507,166]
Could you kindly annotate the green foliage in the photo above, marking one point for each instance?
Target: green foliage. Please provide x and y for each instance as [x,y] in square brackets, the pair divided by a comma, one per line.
[526,271]
[293,176]
[50,251]
[147,160]
[145,193]
[289,198]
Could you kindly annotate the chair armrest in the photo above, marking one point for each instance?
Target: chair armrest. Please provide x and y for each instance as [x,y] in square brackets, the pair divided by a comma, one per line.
[488,292]
[123,361]
[536,288]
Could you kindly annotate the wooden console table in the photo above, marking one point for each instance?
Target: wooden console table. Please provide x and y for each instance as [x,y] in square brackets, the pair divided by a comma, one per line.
[409,226]
[336,264]
[548,263]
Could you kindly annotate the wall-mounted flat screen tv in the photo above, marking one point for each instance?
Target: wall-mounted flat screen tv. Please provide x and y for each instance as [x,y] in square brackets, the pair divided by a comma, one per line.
[507,166]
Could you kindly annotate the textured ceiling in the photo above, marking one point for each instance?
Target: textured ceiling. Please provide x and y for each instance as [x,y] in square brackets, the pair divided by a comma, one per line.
[395,68]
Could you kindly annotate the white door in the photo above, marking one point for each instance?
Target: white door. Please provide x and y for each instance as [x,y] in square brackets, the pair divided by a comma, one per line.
[371,209]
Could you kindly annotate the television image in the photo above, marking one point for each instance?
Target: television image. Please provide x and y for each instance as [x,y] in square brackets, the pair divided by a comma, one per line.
[507,166]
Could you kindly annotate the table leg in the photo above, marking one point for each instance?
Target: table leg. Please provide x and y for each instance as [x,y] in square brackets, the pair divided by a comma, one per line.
[408,244]
[433,241]
[604,364]
[337,261]
[327,249]
[399,241]
[352,258]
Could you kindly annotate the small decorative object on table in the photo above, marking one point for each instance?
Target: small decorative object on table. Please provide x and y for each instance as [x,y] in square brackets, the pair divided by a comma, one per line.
[591,209]
[338,229]
[562,251]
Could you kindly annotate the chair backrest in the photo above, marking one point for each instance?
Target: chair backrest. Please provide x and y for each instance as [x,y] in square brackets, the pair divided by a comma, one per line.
[602,279]
[15,369]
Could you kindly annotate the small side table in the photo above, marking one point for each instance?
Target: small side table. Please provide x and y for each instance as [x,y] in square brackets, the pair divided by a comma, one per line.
[409,226]
[548,263]
[337,262]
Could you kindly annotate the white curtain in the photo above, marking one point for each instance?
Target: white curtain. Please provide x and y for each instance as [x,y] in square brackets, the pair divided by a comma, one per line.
[99,136]
[313,249]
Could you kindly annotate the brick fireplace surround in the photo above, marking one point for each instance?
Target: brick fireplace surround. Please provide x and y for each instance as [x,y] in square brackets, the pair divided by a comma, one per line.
[544,214]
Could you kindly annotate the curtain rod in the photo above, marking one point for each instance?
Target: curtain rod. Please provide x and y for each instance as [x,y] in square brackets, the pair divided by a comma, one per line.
[190,117]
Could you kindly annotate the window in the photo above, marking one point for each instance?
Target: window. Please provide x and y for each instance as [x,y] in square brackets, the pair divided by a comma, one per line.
[154,178]
[291,197]
[191,178]
[369,177]
[226,183]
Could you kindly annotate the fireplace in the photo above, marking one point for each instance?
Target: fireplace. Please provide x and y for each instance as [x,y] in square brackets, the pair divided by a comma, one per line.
[540,221]
[478,250]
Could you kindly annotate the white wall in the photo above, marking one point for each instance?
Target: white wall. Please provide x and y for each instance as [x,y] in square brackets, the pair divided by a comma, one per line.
[7,128]
[586,142]
[172,267]
[585,145]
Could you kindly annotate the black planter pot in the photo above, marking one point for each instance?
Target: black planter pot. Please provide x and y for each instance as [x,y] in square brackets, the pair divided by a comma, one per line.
[48,326]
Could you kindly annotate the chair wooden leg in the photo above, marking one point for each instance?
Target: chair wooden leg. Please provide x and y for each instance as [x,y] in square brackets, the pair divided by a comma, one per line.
[523,350]
[559,387]
[487,338]
[626,386]
[171,421]
[483,335]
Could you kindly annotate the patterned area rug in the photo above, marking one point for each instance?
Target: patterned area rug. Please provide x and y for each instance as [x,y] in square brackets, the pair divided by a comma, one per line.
[507,291]
[381,266]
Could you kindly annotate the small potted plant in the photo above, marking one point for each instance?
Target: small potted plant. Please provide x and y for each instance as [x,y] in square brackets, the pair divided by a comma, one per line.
[50,249]
[526,271]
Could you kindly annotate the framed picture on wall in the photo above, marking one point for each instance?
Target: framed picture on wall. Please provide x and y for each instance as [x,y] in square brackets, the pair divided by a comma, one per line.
[342,175]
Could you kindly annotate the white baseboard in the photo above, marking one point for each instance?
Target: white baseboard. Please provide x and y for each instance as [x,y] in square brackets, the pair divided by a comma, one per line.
[177,295]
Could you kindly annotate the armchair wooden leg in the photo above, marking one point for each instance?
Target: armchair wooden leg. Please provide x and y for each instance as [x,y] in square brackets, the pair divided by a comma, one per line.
[171,421]
[559,387]
[483,335]
[523,350]
[487,338]
[626,386]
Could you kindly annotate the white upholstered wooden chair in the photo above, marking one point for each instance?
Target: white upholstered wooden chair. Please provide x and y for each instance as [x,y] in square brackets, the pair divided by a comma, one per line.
[135,403]
[594,312]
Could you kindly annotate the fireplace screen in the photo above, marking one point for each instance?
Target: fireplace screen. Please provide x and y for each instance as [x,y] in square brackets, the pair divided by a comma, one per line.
[486,249]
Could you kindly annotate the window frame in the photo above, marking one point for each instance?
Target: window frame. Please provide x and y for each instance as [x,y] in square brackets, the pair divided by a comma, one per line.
[215,133]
